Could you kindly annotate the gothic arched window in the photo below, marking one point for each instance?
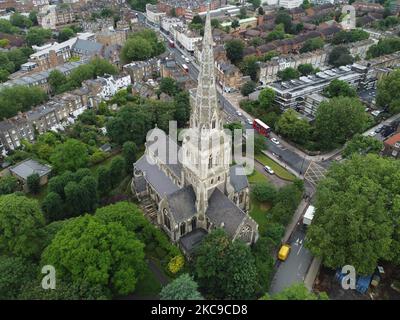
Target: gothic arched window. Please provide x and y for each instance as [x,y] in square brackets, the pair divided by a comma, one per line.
[210,160]
[167,222]
[183,228]
[246,233]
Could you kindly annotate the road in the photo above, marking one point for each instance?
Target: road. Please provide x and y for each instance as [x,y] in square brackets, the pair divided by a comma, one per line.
[273,178]
[294,269]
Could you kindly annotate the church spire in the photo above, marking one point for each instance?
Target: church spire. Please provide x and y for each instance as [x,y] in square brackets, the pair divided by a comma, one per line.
[206,113]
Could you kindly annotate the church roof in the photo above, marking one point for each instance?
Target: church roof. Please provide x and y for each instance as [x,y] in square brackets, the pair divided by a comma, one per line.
[221,210]
[156,177]
[238,178]
[176,168]
[191,240]
[182,204]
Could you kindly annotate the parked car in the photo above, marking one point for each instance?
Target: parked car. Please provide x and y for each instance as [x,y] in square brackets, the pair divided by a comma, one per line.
[249,121]
[238,113]
[372,134]
[269,170]
[379,129]
[274,140]
[284,252]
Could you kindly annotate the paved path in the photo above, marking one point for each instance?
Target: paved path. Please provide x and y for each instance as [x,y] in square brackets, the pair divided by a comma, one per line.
[273,178]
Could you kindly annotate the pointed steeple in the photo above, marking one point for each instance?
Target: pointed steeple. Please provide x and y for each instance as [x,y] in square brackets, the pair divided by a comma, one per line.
[206,111]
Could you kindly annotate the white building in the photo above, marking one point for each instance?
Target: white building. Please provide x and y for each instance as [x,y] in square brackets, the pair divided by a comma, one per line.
[167,23]
[111,85]
[290,4]
[47,17]
[186,38]
[153,15]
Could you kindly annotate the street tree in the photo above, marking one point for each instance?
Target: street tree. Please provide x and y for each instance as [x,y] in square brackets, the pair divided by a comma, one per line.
[291,126]
[297,291]
[388,93]
[357,210]
[247,88]
[338,120]
[360,144]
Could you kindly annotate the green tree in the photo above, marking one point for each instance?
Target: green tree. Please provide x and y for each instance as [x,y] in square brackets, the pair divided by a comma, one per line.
[242,13]
[225,269]
[33,17]
[70,155]
[266,98]
[250,66]
[350,36]
[20,223]
[306,69]
[255,3]
[312,44]
[52,207]
[65,34]
[360,144]
[234,50]
[104,254]
[182,288]
[283,17]
[182,108]
[340,56]
[20,21]
[117,170]
[37,36]
[264,192]
[15,272]
[259,143]
[136,49]
[19,98]
[8,184]
[297,291]
[129,151]
[356,202]
[103,180]
[384,46]
[247,88]
[338,120]
[388,93]
[288,74]
[215,23]
[33,182]
[235,24]
[291,126]
[338,88]
[169,86]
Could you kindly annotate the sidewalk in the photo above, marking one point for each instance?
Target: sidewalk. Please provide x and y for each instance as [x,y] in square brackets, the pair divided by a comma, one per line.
[312,273]
[296,217]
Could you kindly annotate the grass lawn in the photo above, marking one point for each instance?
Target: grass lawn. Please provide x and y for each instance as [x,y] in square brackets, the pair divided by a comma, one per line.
[279,170]
[148,286]
[256,177]
[259,211]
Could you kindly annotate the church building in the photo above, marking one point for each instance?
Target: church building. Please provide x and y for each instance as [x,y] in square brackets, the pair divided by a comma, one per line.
[202,190]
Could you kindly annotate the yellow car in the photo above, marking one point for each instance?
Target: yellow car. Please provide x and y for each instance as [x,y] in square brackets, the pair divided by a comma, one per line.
[284,252]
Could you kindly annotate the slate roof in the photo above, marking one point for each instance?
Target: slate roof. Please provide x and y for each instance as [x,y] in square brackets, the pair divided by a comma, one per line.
[182,204]
[191,240]
[222,210]
[87,47]
[238,178]
[157,179]
[28,167]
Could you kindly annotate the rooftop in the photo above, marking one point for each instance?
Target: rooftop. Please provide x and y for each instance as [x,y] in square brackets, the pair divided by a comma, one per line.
[28,167]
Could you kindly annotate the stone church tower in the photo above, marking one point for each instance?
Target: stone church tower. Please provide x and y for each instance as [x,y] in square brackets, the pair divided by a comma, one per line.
[206,151]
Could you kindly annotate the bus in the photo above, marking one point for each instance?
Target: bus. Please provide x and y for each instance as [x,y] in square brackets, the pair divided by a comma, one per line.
[185,67]
[261,127]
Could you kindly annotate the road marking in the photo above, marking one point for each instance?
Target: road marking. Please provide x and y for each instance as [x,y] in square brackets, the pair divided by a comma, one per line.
[298,252]
[299,266]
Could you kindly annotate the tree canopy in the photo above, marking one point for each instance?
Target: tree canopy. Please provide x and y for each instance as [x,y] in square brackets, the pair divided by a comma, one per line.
[388,93]
[234,50]
[20,224]
[338,88]
[225,269]
[360,144]
[297,291]
[70,155]
[357,209]
[182,288]
[338,119]
[105,254]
